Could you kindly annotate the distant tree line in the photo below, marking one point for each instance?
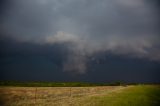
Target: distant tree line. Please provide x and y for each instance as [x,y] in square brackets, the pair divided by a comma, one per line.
[61,84]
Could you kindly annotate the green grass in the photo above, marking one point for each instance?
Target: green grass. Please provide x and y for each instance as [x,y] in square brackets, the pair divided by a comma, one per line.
[140,95]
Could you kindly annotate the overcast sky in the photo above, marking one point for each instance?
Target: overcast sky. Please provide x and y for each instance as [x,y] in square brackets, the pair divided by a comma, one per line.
[74,33]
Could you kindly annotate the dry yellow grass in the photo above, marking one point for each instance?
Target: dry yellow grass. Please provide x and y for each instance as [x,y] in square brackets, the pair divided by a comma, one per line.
[51,96]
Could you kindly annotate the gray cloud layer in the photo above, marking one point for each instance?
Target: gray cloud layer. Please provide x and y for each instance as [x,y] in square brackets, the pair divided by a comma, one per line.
[122,27]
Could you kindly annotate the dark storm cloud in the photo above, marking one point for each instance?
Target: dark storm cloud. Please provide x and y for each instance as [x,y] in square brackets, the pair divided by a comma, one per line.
[23,61]
[33,62]
[122,27]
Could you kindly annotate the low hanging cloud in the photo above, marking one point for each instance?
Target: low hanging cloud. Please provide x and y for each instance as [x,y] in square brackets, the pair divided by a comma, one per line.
[138,47]
[121,27]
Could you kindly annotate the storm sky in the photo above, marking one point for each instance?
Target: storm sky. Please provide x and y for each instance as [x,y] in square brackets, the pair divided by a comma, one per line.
[80,40]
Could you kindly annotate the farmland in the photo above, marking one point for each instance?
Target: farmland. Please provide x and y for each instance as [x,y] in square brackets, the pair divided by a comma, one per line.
[132,95]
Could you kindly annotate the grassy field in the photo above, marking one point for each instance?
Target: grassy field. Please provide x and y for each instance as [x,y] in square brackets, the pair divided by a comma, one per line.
[136,95]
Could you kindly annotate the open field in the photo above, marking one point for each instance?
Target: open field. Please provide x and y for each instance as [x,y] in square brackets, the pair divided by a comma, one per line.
[136,95]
